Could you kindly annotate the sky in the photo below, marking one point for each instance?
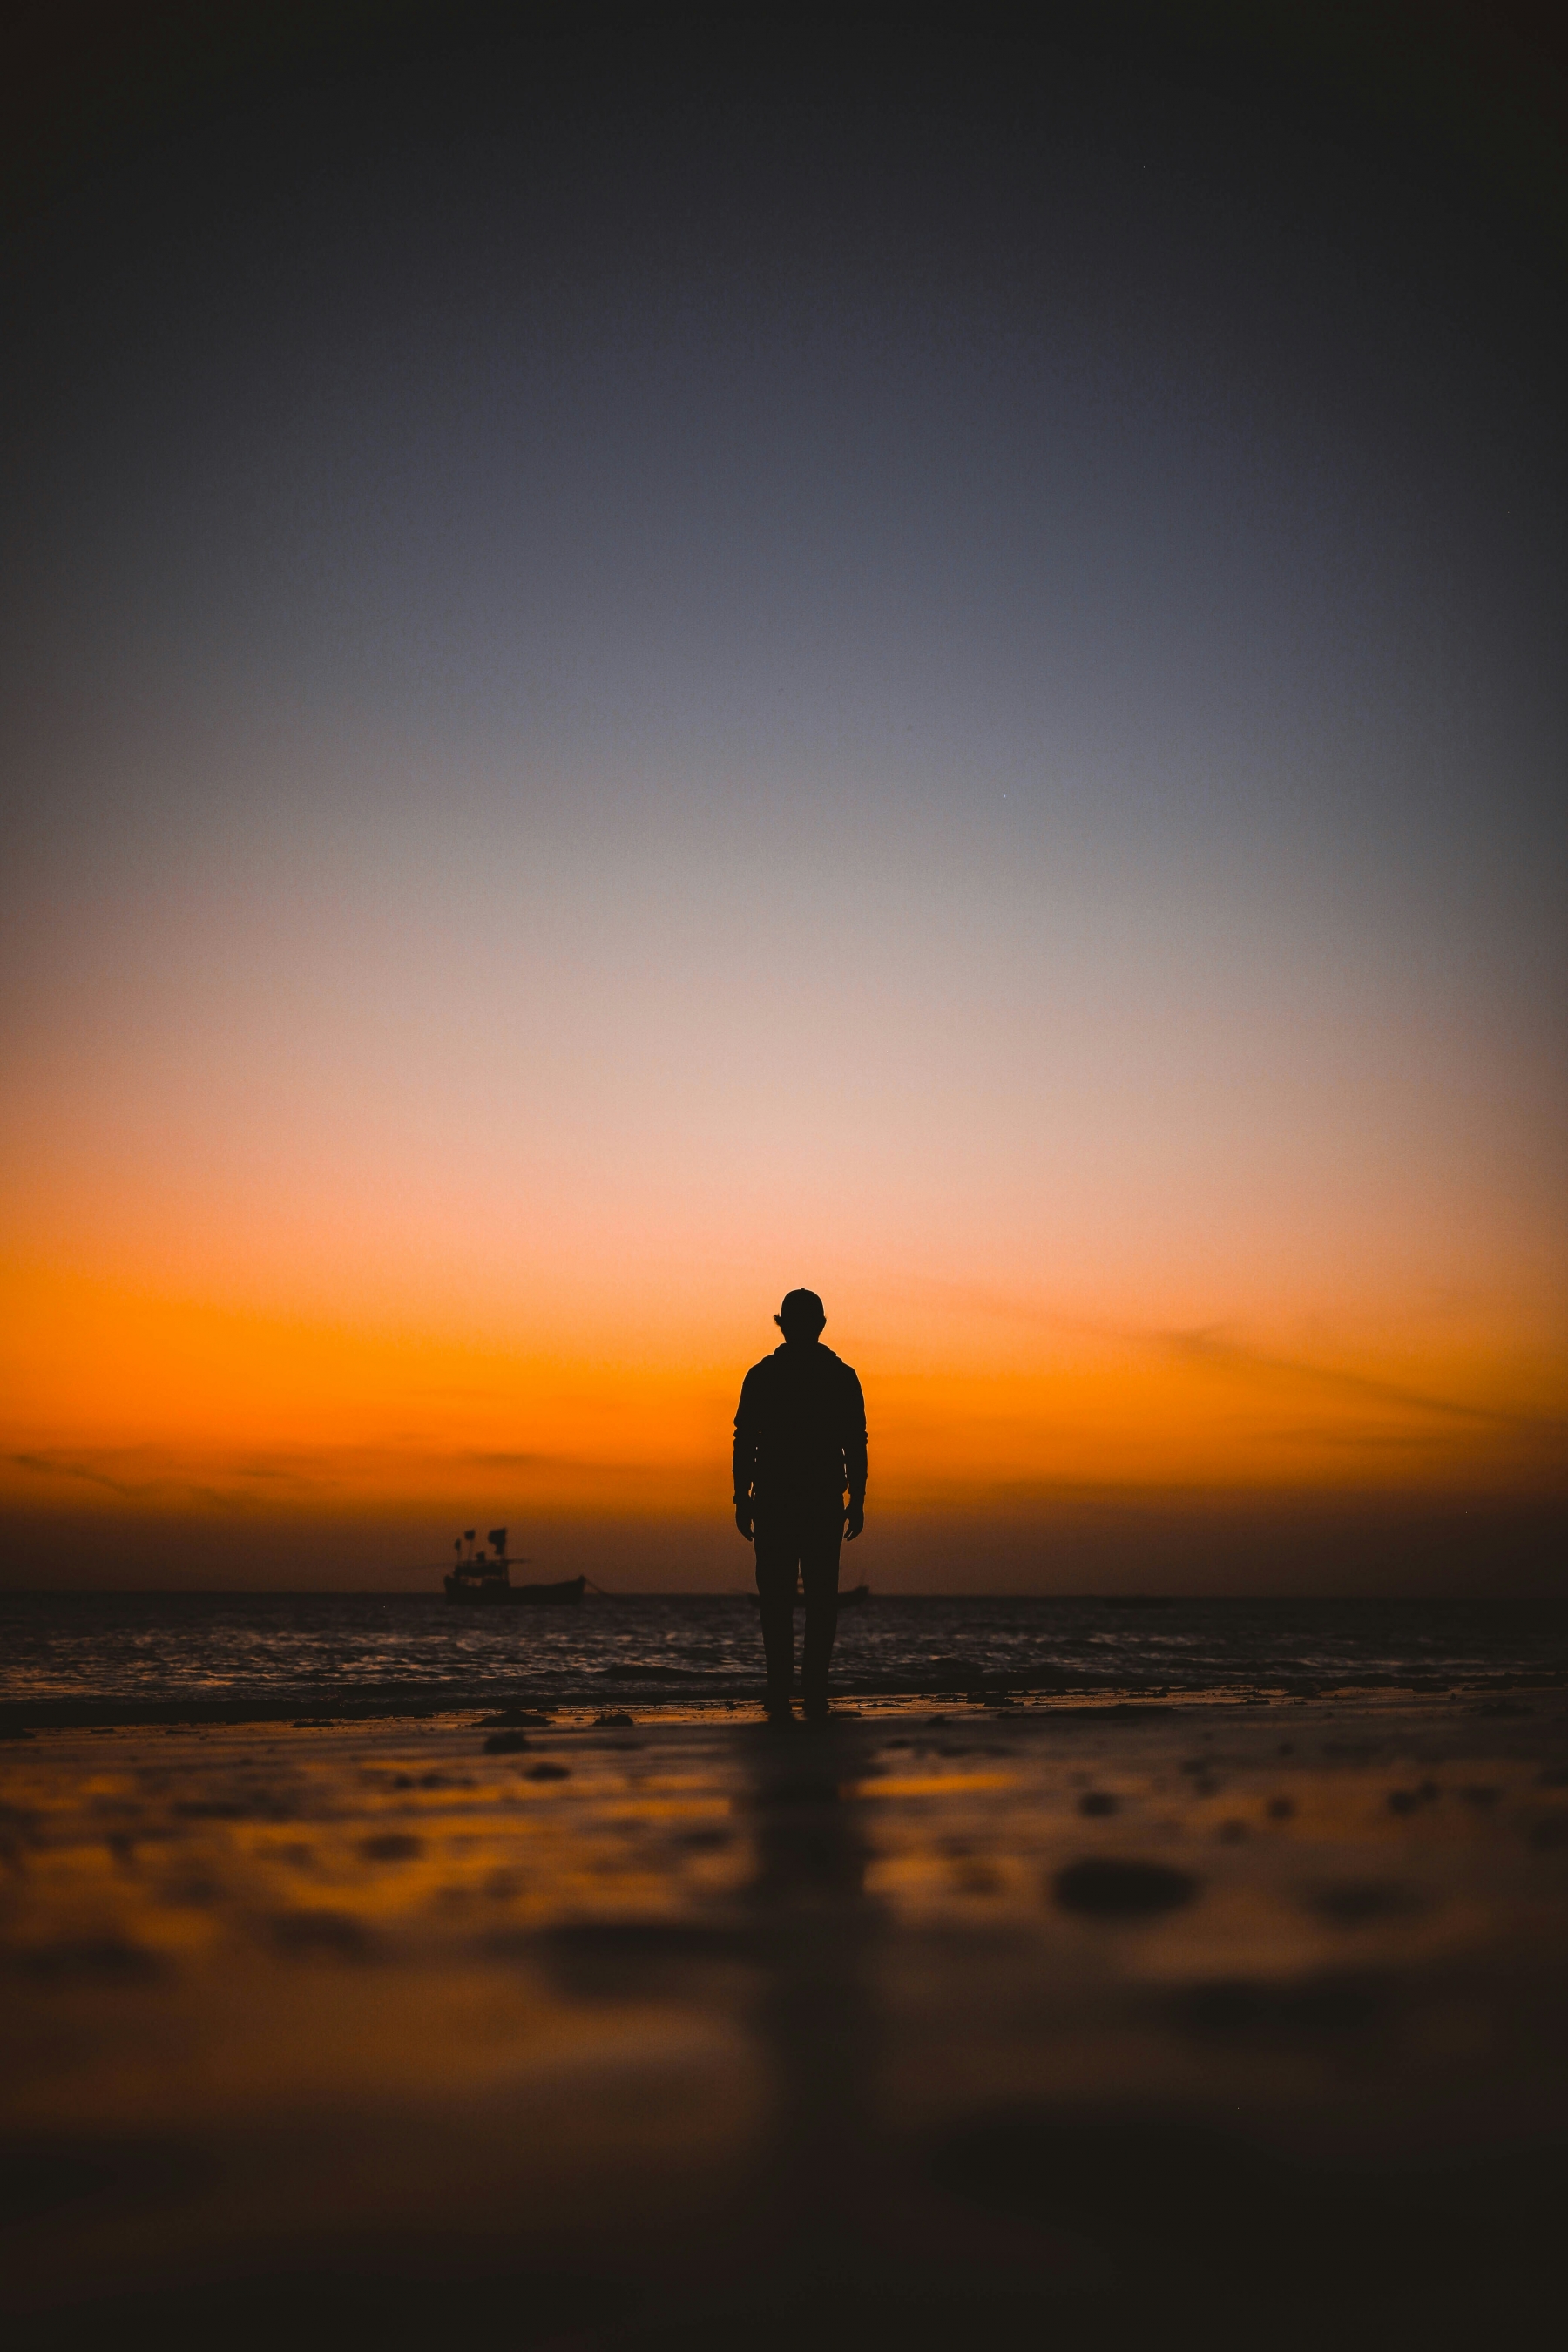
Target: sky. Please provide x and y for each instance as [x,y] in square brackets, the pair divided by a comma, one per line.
[645,661]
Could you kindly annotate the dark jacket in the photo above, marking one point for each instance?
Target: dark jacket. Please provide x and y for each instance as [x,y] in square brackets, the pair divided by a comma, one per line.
[800,1430]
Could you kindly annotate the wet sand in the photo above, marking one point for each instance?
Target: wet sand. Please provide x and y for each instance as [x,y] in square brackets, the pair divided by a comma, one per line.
[1192,2019]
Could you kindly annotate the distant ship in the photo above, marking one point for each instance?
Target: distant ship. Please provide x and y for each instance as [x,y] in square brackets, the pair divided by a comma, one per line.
[483,1578]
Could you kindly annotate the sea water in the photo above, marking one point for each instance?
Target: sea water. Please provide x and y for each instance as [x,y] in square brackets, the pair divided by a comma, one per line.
[316,1651]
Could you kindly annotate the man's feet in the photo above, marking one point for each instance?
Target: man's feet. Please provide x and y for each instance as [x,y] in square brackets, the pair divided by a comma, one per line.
[817,1710]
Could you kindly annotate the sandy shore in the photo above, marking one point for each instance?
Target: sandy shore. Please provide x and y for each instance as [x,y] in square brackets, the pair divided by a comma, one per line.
[1099,2018]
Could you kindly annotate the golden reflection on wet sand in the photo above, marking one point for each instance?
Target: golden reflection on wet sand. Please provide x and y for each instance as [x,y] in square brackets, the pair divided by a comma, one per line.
[692,2024]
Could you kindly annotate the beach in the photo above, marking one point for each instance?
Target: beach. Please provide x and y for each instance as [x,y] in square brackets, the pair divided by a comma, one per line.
[785,827]
[661,2025]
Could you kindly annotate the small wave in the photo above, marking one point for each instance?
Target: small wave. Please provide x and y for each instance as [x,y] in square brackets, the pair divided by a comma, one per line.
[650,1674]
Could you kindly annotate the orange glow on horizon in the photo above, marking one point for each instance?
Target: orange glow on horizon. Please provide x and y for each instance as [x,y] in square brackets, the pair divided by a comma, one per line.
[121,1400]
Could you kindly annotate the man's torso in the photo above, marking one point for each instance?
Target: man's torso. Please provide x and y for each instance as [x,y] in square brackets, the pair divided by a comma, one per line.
[800,1407]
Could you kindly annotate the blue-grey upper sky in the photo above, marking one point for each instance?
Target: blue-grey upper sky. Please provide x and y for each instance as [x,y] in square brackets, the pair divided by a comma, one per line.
[995,602]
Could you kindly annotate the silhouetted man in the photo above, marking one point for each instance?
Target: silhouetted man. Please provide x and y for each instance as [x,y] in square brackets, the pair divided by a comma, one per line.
[800,1440]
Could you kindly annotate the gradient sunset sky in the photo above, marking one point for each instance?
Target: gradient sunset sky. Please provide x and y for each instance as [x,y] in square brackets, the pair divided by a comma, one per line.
[641,667]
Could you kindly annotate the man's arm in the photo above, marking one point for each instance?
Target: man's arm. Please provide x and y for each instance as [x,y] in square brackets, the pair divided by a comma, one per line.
[748,1429]
[855,1455]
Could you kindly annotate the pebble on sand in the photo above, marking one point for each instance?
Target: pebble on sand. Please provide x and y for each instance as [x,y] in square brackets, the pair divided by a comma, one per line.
[1102,1888]
[1361,1902]
[392,1845]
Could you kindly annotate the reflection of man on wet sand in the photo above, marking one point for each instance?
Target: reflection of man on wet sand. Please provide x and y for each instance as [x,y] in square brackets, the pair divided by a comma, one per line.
[800,1440]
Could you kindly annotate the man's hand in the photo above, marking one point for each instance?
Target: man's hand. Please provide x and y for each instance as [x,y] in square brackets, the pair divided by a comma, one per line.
[743,1519]
[853,1521]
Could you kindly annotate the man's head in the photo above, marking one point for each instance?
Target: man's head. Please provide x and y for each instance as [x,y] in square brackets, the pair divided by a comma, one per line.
[801,1317]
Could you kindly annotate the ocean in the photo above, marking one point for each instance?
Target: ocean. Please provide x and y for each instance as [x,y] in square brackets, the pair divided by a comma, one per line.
[103,1656]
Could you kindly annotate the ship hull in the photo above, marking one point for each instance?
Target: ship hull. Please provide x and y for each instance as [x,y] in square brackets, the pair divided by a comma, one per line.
[491,1592]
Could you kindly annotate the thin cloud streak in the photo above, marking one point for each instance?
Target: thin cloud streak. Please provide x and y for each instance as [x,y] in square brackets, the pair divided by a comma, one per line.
[47,1466]
[1209,1347]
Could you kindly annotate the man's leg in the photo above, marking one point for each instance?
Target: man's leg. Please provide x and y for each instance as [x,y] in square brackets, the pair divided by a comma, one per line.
[778,1551]
[819,1548]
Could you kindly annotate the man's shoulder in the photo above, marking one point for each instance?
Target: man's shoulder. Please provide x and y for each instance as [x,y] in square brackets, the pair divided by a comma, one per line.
[822,1361]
